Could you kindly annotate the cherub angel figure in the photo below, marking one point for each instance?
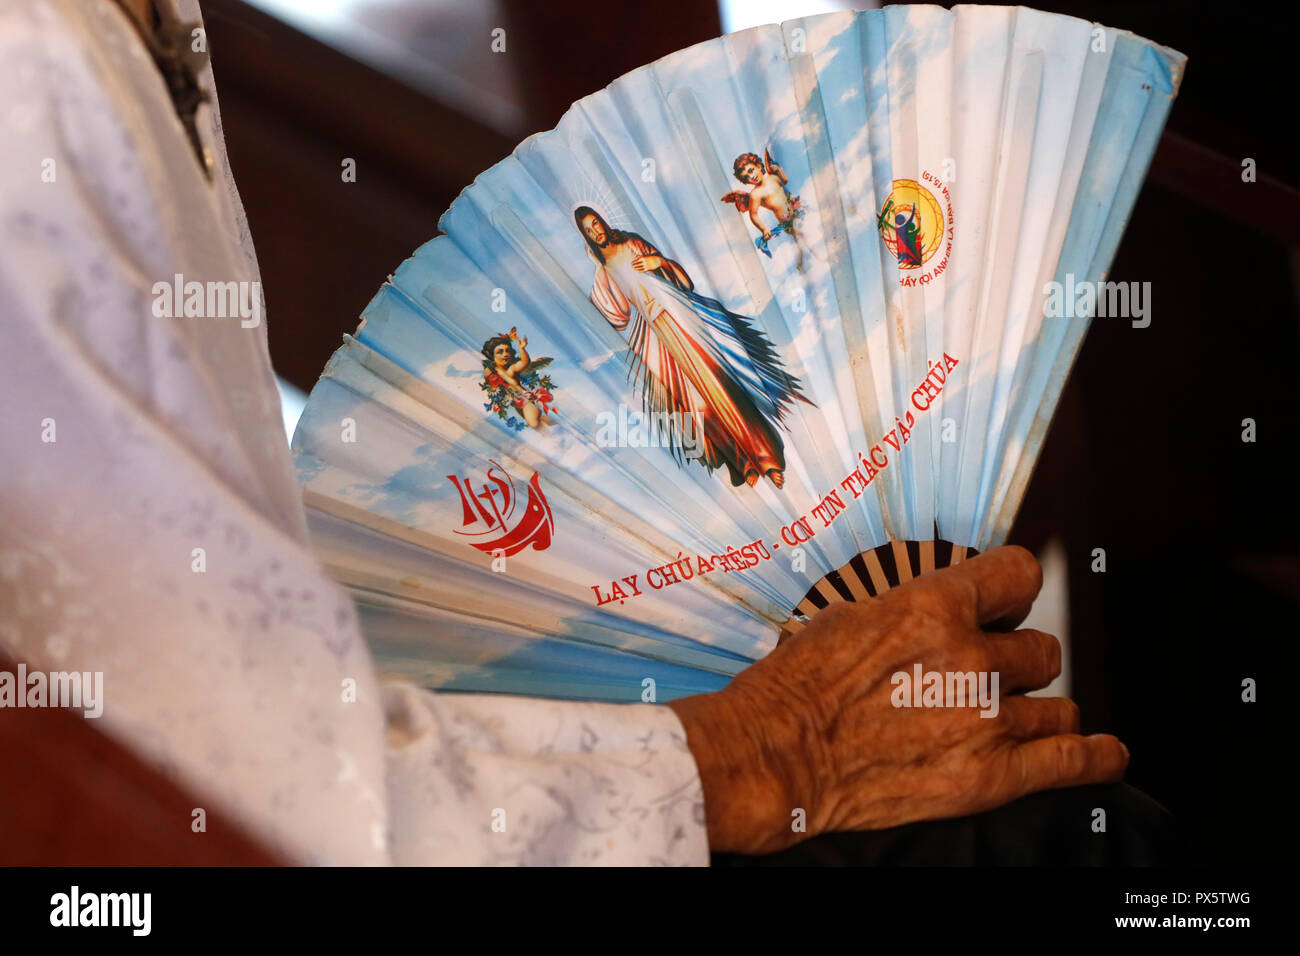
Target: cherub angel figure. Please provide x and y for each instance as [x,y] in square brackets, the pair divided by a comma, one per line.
[767,182]
[510,378]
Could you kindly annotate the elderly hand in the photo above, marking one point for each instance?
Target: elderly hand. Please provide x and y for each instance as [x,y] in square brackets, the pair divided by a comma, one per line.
[812,727]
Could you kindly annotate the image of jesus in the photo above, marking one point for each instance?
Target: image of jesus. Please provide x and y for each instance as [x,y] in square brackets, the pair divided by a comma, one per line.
[693,358]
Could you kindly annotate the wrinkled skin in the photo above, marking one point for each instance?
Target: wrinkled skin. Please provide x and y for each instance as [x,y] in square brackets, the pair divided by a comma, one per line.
[812,727]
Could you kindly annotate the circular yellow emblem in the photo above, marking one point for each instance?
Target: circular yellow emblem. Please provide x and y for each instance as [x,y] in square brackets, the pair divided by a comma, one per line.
[911,223]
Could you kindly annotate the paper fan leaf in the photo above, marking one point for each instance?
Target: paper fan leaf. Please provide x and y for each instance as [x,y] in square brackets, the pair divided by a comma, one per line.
[738,419]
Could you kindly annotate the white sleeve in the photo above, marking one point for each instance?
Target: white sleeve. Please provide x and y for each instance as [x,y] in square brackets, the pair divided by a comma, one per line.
[147,525]
[477,779]
[150,530]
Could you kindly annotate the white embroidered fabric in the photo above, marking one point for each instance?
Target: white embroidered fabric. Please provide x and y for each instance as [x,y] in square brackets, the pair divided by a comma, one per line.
[151,527]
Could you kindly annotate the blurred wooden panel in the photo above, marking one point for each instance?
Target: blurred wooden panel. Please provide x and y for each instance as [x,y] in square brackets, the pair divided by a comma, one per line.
[294,108]
[571,48]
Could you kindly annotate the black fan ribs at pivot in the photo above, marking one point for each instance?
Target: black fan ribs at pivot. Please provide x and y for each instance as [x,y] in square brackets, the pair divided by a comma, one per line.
[873,572]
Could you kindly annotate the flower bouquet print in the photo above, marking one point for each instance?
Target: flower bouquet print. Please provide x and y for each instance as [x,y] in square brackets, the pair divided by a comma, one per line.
[516,390]
[776,338]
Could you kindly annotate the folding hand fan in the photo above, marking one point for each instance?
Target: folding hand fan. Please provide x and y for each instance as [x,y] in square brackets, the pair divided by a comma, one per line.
[757,328]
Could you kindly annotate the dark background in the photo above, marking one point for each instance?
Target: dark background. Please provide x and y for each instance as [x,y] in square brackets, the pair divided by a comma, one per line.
[1145,458]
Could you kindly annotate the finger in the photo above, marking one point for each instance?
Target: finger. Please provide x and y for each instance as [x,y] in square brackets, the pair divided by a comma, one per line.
[1025,659]
[1002,583]
[1027,718]
[1069,760]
